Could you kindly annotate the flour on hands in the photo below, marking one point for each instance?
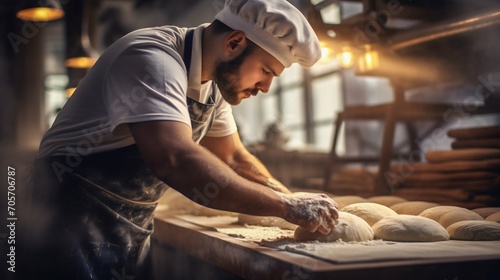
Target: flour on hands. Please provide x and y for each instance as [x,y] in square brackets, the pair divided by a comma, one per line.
[312,211]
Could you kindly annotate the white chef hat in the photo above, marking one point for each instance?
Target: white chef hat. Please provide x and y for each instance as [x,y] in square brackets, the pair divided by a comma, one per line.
[276,26]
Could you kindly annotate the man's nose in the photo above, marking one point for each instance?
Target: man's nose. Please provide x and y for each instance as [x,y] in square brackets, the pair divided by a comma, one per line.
[265,84]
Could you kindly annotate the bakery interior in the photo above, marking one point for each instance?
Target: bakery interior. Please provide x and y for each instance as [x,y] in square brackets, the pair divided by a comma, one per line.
[404,106]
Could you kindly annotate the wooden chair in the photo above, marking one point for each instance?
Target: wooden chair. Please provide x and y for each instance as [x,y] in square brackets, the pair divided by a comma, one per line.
[400,110]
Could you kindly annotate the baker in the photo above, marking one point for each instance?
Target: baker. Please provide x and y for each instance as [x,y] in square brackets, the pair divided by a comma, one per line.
[155,112]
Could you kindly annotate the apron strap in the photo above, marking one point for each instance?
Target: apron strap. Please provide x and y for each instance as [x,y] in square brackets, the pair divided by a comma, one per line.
[188,46]
[114,194]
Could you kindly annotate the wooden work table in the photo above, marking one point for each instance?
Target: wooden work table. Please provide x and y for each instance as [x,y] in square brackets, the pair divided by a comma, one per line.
[249,260]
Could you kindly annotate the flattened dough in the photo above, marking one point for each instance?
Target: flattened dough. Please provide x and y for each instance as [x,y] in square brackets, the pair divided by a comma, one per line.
[474,231]
[409,228]
[386,200]
[177,203]
[412,207]
[448,215]
[369,211]
[265,221]
[495,217]
[345,200]
[349,228]
[486,211]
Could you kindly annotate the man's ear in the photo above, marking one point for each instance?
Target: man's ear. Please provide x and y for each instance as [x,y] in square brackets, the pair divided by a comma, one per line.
[235,43]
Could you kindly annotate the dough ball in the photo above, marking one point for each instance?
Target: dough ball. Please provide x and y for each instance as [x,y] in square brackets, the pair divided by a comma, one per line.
[177,203]
[265,221]
[369,211]
[409,228]
[486,211]
[412,207]
[345,200]
[495,217]
[448,215]
[474,231]
[349,228]
[386,200]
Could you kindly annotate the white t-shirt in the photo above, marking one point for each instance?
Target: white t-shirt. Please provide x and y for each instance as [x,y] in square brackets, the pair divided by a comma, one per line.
[141,77]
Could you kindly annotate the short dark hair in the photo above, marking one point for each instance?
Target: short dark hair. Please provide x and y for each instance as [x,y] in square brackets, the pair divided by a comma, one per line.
[220,27]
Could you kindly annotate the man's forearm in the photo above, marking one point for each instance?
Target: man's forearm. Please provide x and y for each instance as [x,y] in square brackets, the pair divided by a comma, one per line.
[249,167]
[214,184]
[224,189]
[198,174]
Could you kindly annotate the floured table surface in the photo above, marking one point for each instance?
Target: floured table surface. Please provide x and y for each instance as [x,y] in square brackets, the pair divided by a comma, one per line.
[276,247]
[345,252]
[249,233]
[378,250]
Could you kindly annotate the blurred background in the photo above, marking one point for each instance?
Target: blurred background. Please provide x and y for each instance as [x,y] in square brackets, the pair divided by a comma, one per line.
[395,78]
[376,54]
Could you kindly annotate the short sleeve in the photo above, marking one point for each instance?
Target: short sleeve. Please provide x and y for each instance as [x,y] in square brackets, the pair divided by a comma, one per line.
[145,84]
[224,123]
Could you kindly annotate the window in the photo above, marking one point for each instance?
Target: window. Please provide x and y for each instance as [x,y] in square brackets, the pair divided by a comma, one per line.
[55,95]
[304,101]
[327,102]
[293,108]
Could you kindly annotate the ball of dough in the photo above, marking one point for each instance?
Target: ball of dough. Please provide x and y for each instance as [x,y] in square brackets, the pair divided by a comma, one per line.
[369,211]
[412,207]
[495,217]
[486,211]
[448,215]
[409,228]
[474,231]
[348,228]
[386,200]
[265,221]
[345,200]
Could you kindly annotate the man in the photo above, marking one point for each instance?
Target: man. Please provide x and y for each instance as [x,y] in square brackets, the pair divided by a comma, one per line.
[155,111]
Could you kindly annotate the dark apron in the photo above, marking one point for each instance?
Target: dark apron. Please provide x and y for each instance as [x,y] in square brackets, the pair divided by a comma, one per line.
[95,220]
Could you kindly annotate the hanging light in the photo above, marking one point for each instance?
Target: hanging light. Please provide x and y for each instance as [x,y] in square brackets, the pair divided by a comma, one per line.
[73,80]
[72,84]
[369,60]
[75,75]
[80,53]
[70,91]
[327,53]
[83,57]
[346,57]
[41,10]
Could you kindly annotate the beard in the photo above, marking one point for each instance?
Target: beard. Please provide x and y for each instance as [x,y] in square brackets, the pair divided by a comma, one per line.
[226,76]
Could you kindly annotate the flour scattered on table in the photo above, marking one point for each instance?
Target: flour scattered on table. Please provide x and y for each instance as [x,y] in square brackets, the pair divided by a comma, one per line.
[257,233]
[312,245]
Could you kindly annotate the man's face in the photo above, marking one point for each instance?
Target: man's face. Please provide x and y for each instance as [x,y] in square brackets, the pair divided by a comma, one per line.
[247,74]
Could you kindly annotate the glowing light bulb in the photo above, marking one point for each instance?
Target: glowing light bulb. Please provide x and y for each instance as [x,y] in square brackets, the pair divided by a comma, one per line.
[346,57]
[80,62]
[70,91]
[369,61]
[40,14]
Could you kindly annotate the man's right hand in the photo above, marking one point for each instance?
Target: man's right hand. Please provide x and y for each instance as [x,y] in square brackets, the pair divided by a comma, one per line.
[312,211]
